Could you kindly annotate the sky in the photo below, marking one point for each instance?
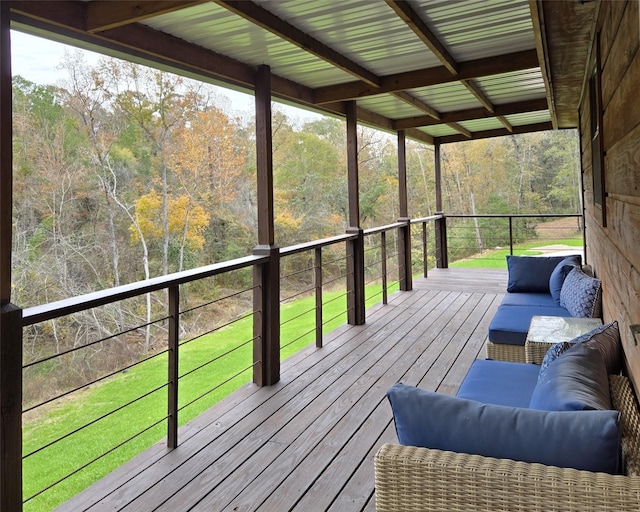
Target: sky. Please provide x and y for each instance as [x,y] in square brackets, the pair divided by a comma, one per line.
[36,60]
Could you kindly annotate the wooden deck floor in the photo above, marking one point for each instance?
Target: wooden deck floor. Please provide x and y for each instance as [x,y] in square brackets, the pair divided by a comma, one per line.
[307,444]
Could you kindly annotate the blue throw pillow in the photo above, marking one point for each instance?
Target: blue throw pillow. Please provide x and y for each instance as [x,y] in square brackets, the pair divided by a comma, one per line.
[554,352]
[605,339]
[587,440]
[559,274]
[530,273]
[580,294]
[576,381]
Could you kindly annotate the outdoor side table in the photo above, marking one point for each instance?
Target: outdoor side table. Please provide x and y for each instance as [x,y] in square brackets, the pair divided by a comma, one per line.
[545,331]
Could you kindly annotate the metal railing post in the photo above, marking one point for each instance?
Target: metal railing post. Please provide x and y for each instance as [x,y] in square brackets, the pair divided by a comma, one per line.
[318,286]
[511,235]
[383,258]
[425,253]
[173,368]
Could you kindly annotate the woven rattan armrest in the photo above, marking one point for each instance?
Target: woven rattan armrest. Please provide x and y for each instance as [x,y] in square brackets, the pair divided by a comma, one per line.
[409,478]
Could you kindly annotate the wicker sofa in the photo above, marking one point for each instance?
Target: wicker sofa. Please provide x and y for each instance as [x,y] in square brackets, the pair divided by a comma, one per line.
[536,286]
[428,479]
[409,478]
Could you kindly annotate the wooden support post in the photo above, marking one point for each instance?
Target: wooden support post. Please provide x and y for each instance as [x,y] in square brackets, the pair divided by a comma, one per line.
[355,278]
[404,233]
[173,360]
[355,248]
[266,317]
[10,408]
[6,156]
[10,315]
[442,258]
[437,160]
[266,296]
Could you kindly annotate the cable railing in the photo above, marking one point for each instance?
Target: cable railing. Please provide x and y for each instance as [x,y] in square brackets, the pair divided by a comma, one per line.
[175,345]
[319,285]
[378,269]
[110,397]
[423,246]
[486,239]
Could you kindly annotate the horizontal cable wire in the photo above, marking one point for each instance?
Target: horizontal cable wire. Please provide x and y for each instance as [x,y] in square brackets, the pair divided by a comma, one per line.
[94,381]
[95,459]
[244,370]
[93,422]
[90,344]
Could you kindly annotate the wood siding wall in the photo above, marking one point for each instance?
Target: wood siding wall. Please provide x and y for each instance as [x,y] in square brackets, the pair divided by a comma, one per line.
[614,249]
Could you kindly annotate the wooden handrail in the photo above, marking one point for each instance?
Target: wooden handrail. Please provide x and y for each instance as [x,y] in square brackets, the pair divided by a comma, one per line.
[36,314]
[508,215]
[307,246]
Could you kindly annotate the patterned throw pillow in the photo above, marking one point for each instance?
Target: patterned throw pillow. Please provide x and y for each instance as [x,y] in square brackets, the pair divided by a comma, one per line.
[554,352]
[605,339]
[580,294]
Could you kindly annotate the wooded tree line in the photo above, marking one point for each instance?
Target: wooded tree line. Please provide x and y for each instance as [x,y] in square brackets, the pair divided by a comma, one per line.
[122,173]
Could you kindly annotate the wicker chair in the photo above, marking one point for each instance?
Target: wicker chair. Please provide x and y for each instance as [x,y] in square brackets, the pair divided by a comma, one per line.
[420,479]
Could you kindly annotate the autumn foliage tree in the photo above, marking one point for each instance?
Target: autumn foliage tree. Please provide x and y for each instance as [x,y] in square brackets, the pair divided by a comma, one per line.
[124,173]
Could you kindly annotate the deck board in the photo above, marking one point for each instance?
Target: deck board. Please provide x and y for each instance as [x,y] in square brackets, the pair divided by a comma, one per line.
[308,442]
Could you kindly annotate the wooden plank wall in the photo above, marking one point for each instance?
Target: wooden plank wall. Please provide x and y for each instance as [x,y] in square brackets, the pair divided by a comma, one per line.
[614,250]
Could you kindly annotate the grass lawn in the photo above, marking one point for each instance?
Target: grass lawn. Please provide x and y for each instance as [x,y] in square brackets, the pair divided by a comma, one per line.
[229,351]
[497,258]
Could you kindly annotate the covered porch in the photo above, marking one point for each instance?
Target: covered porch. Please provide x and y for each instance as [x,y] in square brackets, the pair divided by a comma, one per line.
[307,442]
[303,435]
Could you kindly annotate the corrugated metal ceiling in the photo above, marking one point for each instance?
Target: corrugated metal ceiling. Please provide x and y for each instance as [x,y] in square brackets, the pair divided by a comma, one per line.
[321,53]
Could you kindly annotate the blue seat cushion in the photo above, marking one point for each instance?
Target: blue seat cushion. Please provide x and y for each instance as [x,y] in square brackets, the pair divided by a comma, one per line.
[531,273]
[587,440]
[529,299]
[500,383]
[510,324]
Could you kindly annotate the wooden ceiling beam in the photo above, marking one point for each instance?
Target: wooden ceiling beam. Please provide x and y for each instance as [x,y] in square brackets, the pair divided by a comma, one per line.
[269,21]
[539,31]
[505,123]
[106,14]
[479,94]
[414,134]
[145,44]
[432,76]
[419,104]
[433,113]
[529,128]
[405,12]
[470,114]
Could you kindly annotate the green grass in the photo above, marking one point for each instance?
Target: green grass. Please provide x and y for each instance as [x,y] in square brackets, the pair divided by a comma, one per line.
[232,345]
[497,258]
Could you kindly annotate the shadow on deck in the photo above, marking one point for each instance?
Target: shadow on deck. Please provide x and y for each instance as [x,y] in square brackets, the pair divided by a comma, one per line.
[308,442]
